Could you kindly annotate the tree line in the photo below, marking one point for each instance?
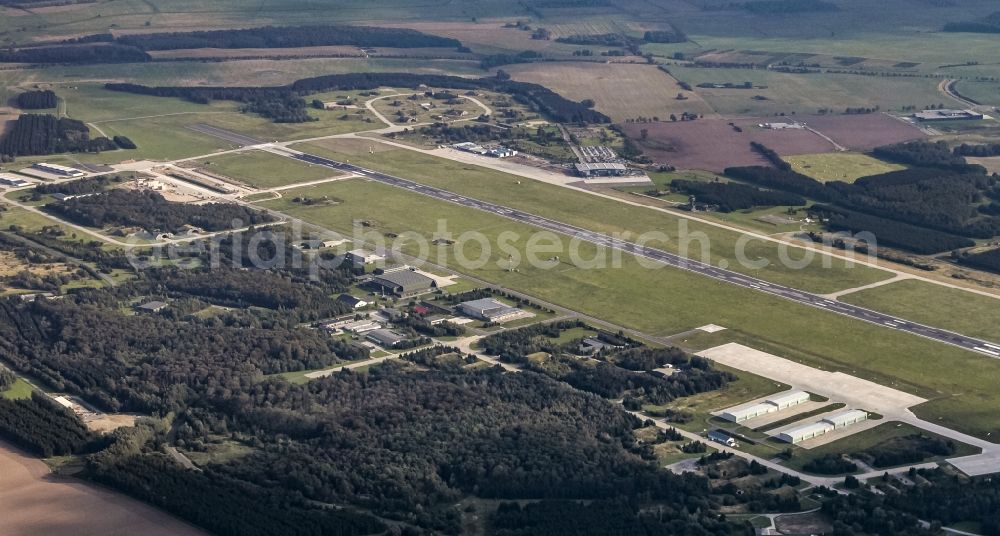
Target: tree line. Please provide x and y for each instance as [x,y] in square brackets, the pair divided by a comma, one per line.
[987,260]
[289,37]
[89,185]
[106,48]
[543,99]
[41,99]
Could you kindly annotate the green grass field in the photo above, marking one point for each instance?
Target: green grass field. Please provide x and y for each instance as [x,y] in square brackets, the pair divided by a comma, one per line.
[953,309]
[846,167]
[604,215]
[264,170]
[19,389]
[667,301]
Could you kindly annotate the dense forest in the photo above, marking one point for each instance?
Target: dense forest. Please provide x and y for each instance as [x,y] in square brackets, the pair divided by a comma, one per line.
[935,206]
[728,196]
[41,134]
[890,232]
[980,150]
[543,99]
[152,212]
[927,154]
[41,99]
[129,48]
[989,24]
[75,54]
[570,518]
[224,505]
[620,374]
[159,364]
[289,37]
[43,427]
[987,260]
[89,185]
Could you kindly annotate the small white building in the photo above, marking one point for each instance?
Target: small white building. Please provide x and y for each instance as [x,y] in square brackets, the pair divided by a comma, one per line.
[13,181]
[788,399]
[776,403]
[828,424]
[361,257]
[740,414]
[846,418]
[799,434]
[489,310]
[361,326]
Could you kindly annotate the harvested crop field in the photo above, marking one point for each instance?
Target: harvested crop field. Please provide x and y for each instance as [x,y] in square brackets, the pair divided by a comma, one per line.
[33,501]
[863,132]
[714,144]
[620,90]
[203,53]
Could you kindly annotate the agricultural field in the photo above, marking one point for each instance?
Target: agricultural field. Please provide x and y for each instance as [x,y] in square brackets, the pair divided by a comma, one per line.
[714,144]
[30,491]
[667,301]
[799,94]
[845,167]
[590,211]
[261,169]
[863,132]
[935,305]
[621,91]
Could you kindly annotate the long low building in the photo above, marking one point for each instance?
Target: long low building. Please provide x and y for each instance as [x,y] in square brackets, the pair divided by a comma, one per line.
[56,169]
[489,310]
[772,404]
[601,169]
[828,424]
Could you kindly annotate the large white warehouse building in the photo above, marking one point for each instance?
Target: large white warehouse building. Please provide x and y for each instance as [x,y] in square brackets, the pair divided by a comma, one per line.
[833,422]
[773,404]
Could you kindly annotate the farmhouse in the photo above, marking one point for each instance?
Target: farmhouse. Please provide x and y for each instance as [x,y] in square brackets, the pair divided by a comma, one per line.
[948,115]
[489,310]
[56,169]
[782,126]
[601,169]
[402,283]
[386,338]
[773,404]
[352,301]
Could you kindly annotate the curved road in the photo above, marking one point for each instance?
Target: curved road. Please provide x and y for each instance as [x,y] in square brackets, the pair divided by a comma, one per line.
[948,337]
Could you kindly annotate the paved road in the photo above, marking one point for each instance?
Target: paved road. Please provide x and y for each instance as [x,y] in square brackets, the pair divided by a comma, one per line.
[948,337]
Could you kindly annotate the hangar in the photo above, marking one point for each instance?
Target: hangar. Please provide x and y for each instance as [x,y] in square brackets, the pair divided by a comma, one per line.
[828,424]
[772,404]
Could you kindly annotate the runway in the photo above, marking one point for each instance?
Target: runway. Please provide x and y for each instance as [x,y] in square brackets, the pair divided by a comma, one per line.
[987,348]
[788,293]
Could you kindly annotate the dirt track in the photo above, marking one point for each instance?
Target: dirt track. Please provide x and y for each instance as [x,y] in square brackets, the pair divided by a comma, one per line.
[33,501]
